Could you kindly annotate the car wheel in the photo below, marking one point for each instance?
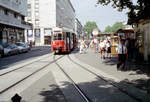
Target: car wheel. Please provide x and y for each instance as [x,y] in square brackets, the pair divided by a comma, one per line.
[18,52]
[9,54]
[2,55]
[26,51]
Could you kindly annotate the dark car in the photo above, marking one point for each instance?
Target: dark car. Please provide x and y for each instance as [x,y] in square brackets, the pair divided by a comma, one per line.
[1,51]
[10,49]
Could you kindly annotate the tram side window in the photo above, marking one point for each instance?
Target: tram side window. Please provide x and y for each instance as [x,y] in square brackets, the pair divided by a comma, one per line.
[59,36]
[55,37]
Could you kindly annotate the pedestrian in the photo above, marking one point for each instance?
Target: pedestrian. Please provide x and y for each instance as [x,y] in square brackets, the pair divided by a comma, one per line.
[108,47]
[82,47]
[102,49]
[122,55]
[91,43]
[95,44]
[79,42]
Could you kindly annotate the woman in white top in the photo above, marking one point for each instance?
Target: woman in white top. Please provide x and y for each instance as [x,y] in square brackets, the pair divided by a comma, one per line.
[102,47]
[82,47]
[95,44]
[91,43]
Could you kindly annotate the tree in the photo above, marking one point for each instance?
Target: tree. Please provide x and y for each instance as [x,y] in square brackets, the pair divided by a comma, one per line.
[108,29]
[141,8]
[114,27]
[89,26]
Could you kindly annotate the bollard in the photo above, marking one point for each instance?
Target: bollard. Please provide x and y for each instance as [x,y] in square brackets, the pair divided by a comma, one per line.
[16,98]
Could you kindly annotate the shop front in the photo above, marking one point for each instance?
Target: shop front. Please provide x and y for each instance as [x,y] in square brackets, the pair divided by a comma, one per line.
[47,36]
[3,36]
[9,34]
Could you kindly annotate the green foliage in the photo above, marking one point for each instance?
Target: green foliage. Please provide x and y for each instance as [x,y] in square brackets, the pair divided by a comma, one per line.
[89,26]
[115,27]
[139,8]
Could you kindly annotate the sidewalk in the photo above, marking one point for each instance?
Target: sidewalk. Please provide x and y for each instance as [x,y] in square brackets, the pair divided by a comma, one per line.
[138,75]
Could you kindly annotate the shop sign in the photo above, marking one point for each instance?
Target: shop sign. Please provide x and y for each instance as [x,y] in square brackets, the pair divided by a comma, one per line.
[29,34]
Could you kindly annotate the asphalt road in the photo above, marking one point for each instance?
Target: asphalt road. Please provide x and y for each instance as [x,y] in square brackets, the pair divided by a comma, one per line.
[16,59]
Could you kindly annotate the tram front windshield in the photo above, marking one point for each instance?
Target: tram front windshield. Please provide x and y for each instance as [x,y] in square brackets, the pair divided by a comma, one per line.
[58,36]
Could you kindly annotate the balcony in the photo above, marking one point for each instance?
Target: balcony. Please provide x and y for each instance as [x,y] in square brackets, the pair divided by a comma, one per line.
[11,21]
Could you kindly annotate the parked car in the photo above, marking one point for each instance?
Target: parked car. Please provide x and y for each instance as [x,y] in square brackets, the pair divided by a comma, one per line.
[28,46]
[1,51]
[10,49]
[23,47]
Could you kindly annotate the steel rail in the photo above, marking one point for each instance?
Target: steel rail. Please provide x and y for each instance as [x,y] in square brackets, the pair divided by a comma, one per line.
[79,90]
[16,83]
[22,66]
[108,81]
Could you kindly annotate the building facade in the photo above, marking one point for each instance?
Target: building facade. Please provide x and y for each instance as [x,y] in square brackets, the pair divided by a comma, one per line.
[142,32]
[47,14]
[12,20]
[78,29]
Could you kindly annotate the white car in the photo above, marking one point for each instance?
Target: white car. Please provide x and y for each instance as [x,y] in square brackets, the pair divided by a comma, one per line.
[10,49]
[22,47]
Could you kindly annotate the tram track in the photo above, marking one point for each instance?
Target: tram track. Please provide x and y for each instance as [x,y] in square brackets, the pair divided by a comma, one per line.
[105,80]
[28,76]
[79,90]
[23,66]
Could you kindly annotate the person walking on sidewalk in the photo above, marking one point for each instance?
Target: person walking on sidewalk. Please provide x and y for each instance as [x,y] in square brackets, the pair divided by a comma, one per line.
[82,47]
[102,47]
[122,55]
[108,48]
[95,44]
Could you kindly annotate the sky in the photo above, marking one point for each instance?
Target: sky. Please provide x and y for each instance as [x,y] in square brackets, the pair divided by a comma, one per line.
[102,15]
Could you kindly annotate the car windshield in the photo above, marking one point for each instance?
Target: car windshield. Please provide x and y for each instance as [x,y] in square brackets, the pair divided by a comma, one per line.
[1,47]
[19,44]
[9,46]
[58,36]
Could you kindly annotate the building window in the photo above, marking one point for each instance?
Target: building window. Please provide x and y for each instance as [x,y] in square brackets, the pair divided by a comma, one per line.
[29,13]
[47,31]
[23,18]
[15,15]
[6,12]
[29,20]
[36,1]
[19,17]
[37,32]
[36,13]
[36,6]
[29,6]
[29,33]
[37,22]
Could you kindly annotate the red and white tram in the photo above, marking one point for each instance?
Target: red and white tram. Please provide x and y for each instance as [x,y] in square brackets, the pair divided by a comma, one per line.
[63,40]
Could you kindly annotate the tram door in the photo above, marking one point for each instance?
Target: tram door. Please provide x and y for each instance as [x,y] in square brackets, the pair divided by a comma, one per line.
[74,40]
[68,41]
